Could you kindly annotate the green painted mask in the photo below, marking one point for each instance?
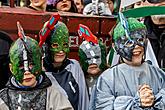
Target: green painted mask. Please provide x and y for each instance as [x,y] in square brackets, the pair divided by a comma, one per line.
[33,56]
[92,54]
[59,39]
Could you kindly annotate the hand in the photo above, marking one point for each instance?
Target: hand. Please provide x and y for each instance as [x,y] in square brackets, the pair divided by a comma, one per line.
[146,96]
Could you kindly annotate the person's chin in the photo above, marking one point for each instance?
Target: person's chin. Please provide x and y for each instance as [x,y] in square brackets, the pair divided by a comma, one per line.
[59,60]
[28,84]
[137,61]
[94,72]
[37,4]
[66,9]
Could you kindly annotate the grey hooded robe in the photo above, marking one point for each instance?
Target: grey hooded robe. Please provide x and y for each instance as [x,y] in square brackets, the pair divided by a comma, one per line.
[117,88]
[42,97]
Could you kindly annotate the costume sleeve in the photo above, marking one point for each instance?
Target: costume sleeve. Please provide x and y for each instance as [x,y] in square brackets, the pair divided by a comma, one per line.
[83,97]
[56,100]
[103,97]
[160,100]
[3,106]
[159,103]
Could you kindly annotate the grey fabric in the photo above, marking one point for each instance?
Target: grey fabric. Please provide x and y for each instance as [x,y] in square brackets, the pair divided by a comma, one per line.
[117,88]
[78,75]
[97,9]
[90,80]
[42,97]
[27,99]
[54,101]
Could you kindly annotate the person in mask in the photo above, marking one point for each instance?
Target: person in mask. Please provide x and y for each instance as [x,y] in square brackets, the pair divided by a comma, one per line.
[156,32]
[92,57]
[64,72]
[29,88]
[134,84]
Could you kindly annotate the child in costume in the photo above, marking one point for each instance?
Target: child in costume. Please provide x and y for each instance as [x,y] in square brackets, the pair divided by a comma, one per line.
[64,72]
[92,54]
[29,88]
[134,84]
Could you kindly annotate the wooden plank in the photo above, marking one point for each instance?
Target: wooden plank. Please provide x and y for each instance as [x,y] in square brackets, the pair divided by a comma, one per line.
[32,21]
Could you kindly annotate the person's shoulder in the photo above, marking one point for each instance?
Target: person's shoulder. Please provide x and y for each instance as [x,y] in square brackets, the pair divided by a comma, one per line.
[57,100]
[3,95]
[74,61]
[52,89]
[3,92]
[112,70]
[108,72]
[154,68]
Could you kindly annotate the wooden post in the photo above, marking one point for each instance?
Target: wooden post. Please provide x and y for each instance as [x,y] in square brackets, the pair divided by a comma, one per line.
[12,3]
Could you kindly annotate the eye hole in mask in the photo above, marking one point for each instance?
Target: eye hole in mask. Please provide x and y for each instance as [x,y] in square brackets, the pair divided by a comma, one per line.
[54,45]
[96,57]
[129,43]
[65,45]
[141,41]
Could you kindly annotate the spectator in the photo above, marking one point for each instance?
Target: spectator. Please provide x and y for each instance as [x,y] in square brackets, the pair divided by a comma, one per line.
[92,58]
[5,42]
[101,7]
[61,5]
[29,88]
[64,72]
[39,5]
[134,84]
[79,5]
[156,32]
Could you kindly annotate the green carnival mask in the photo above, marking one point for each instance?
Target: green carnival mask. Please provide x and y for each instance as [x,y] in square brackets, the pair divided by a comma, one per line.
[127,36]
[33,57]
[92,54]
[59,39]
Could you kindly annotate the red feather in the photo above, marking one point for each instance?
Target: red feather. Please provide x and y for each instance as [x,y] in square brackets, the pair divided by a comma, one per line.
[45,32]
[84,32]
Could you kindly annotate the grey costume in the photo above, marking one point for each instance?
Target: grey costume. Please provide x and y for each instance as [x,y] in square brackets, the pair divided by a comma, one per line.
[69,79]
[117,88]
[42,97]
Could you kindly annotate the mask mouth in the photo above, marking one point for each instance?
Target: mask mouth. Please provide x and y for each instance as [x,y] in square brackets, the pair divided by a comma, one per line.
[155,1]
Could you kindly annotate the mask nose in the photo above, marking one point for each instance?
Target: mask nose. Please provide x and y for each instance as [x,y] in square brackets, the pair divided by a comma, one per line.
[93,61]
[27,72]
[28,67]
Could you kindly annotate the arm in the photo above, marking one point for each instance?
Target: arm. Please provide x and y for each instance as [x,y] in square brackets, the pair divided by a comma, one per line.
[56,100]
[159,103]
[83,97]
[159,90]
[106,98]
[3,106]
